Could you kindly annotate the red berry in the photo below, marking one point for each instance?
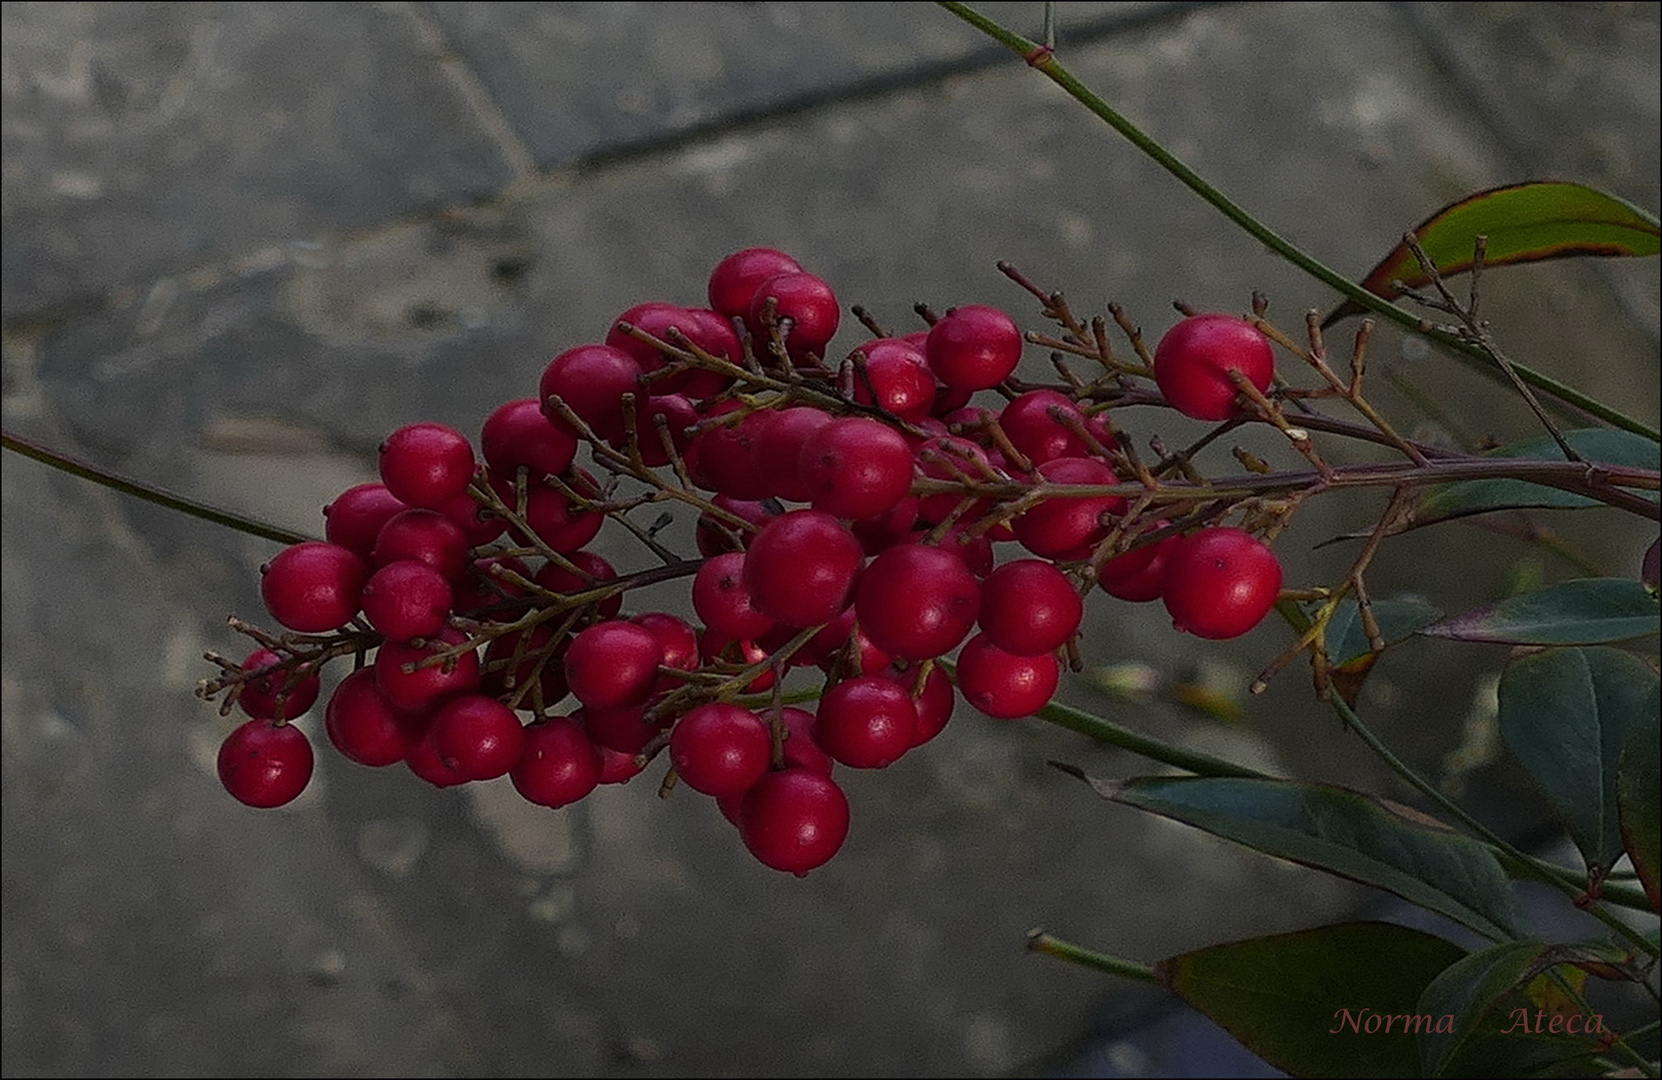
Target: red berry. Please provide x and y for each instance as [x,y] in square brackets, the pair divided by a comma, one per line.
[1138,575]
[592,380]
[265,763]
[425,536]
[777,450]
[897,379]
[1028,422]
[856,468]
[355,518]
[502,674]
[1029,607]
[1220,583]
[1066,527]
[801,568]
[613,663]
[622,728]
[713,332]
[518,433]
[723,600]
[974,347]
[258,696]
[934,705]
[477,736]
[406,599]
[426,762]
[426,464]
[365,727]
[807,302]
[720,749]
[557,578]
[794,820]
[866,722]
[723,458]
[734,281]
[1193,360]
[1003,685]
[617,768]
[656,317]
[559,764]
[313,587]
[917,602]
[424,688]
[678,640]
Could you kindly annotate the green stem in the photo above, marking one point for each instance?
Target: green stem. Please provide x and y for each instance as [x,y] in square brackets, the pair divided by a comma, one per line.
[148,492]
[1107,731]
[1040,942]
[1046,63]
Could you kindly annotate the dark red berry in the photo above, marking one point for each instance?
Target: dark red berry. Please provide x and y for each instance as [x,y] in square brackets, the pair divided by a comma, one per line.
[364,726]
[720,749]
[265,763]
[258,696]
[477,736]
[794,820]
[1065,527]
[313,587]
[426,762]
[613,663]
[426,464]
[974,347]
[406,599]
[1029,607]
[678,640]
[917,602]
[734,280]
[559,764]
[425,536]
[518,433]
[355,518]
[1138,575]
[557,578]
[591,380]
[1032,429]
[805,310]
[897,378]
[777,450]
[1193,361]
[424,688]
[1220,583]
[866,722]
[856,468]
[801,568]
[724,601]
[1003,685]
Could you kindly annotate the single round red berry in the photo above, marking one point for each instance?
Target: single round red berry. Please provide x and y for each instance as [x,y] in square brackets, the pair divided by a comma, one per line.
[1138,575]
[917,602]
[425,536]
[1003,685]
[422,689]
[355,518]
[720,749]
[974,347]
[1032,429]
[258,696]
[518,433]
[559,764]
[406,599]
[365,727]
[313,587]
[613,663]
[866,722]
[478,736]
[776,452]
[723,600]
[557,578]
[1029,607]
[801,568]
[794,820]
[897,378]
[426,464]
[591,380]
[734,280]
[1220,583]
[1193,361]
[1065,527]
[805,310]
[265,763]
[855,467]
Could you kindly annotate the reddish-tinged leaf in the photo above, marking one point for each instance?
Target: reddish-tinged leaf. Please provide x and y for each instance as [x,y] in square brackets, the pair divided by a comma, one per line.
[1547,219]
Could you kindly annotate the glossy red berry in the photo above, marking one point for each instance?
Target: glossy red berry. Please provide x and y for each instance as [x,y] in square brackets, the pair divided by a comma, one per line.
[722,598]
[776,452]
[974,347]
[897,379]
[406,599]
[720,749]
[313,587]
[518,433]
[422,689]
[794,820]
[1067,527]
[805,309]
[1029,607]
[258,696]
[1193,361]
[855,467]
[917,602]
[1003,685]
[801,568]
[591,380]
[265,763]
[722,458]
[559,764]
[613,663]
[1220,583]
[477,736]
[1032,429]
[557,578]
[1140,574]
[734,280]
[425,536]
[364,726]
[866,722]
[426,464]
[355,518]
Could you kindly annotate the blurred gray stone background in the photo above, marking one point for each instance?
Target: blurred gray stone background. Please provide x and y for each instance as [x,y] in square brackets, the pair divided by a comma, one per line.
[242,242]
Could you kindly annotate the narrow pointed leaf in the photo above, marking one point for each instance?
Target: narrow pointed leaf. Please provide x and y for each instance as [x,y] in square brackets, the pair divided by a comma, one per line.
[1318,1002]
[1565,714]
[1525,223]
[1342,832]
[1585,612]
[1638,782]
[1347,641]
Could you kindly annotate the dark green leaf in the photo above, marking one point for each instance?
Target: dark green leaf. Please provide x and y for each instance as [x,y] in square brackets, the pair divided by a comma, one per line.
[1495,1025]
[1398,619]
[1584,612]
[1637,785]
[1342,832]
[1332,1001]
[1524,223]
[1565,713]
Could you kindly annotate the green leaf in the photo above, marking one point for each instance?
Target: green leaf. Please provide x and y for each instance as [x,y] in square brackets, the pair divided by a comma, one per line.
[1495,1026]
[1524,223]
[1398,620]
[1637,794]
[1565,714]
[1332,1001]
[1585,612]
[1342,832]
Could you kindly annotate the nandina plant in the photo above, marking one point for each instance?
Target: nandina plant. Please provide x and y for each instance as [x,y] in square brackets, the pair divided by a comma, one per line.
[889,527]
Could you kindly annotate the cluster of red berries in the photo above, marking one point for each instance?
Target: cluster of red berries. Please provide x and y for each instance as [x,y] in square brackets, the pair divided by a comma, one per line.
[847,520]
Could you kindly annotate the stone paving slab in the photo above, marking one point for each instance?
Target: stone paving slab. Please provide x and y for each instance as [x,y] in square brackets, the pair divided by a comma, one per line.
[627,936]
